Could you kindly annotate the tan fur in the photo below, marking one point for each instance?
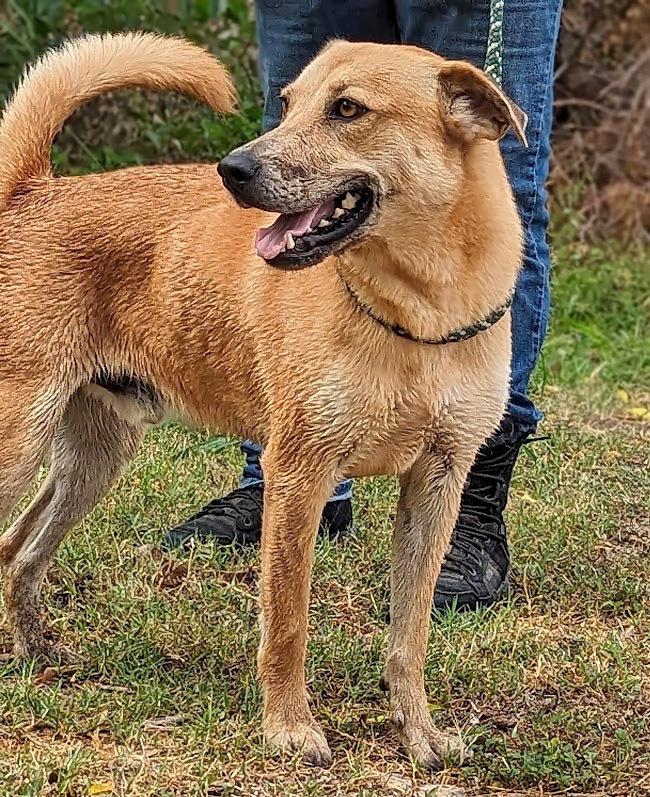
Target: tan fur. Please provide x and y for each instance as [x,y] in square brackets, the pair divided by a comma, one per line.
[152,272]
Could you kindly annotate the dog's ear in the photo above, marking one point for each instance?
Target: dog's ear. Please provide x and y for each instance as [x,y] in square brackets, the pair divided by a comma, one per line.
[475,107]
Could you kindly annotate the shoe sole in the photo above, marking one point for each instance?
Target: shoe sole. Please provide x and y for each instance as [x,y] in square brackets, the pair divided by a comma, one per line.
[501,592]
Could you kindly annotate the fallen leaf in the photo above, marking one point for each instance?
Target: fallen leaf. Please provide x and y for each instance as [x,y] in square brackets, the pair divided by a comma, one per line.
[100,788]
[46,677]
[623,396]
[639,412]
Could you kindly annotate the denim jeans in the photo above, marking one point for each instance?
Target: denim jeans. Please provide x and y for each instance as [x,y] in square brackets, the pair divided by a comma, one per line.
[291,32]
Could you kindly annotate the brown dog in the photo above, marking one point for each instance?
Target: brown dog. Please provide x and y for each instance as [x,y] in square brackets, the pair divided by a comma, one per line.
[132,294]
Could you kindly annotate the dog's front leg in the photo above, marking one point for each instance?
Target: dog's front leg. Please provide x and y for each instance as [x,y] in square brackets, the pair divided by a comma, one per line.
[294,497]
[426,514]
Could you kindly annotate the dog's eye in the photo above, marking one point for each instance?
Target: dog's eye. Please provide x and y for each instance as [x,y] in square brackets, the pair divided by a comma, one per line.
[347,109]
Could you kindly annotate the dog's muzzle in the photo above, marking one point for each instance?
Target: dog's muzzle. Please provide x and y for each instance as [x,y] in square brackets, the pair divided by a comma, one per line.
[311,233]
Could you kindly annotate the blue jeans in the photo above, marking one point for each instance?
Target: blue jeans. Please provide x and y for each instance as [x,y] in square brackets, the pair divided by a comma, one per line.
[291,32]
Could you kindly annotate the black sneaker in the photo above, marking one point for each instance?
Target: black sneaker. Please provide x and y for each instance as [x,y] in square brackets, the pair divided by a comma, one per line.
[475,569]
[237,518]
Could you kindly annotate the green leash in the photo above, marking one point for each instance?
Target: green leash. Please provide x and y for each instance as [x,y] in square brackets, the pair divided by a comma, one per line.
[494,53]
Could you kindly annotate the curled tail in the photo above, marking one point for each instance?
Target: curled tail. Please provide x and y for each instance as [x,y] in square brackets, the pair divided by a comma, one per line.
[62,80]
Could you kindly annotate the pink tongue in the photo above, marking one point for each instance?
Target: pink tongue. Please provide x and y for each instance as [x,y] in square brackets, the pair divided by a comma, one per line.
[270,241]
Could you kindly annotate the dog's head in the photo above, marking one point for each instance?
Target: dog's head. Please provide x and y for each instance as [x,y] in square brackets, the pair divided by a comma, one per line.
[372,135]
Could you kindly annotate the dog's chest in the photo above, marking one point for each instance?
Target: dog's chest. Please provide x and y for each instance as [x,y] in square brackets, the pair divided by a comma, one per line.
[383,428]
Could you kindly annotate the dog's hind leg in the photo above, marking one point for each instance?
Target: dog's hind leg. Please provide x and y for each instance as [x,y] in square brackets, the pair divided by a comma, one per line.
[28,419]
[90,448]
[427,511]
[12,540]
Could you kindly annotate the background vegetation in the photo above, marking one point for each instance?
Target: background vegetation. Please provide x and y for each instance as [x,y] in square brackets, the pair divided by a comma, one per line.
[602,150]
[551,688]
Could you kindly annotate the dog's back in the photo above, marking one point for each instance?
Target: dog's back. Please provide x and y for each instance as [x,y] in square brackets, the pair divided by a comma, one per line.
[66,243]
[52,232]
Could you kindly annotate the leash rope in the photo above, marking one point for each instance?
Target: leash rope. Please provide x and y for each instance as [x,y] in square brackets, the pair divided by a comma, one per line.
[494,53]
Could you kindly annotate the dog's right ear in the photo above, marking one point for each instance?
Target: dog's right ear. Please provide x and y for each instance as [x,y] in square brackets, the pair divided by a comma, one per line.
[475,107]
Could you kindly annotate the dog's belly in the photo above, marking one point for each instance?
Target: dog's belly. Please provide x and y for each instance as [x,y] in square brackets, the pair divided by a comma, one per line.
[387,442]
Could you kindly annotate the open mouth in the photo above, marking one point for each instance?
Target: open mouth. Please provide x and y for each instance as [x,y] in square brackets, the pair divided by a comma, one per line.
[302,239]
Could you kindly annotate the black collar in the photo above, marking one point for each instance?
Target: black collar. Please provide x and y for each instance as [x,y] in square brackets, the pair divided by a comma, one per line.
[455,336]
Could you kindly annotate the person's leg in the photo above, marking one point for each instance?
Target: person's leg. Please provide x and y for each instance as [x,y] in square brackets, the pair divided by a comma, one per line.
[289,36]
[252,475]
[530,28]
[476,566]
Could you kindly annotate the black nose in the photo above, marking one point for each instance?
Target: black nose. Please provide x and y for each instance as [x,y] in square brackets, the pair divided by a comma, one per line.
[238,168]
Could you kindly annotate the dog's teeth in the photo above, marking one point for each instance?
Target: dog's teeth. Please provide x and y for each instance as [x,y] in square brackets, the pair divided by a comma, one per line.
[289,242]
[323,223]
[338,213]
[349,202]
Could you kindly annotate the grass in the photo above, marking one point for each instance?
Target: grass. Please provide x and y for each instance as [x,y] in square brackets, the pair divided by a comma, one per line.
[552,687]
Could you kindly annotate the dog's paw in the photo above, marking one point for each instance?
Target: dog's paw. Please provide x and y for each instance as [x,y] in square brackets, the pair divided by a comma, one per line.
[303,738]
[428,746]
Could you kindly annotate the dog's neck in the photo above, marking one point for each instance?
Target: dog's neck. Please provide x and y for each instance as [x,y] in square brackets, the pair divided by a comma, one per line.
[442,271]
